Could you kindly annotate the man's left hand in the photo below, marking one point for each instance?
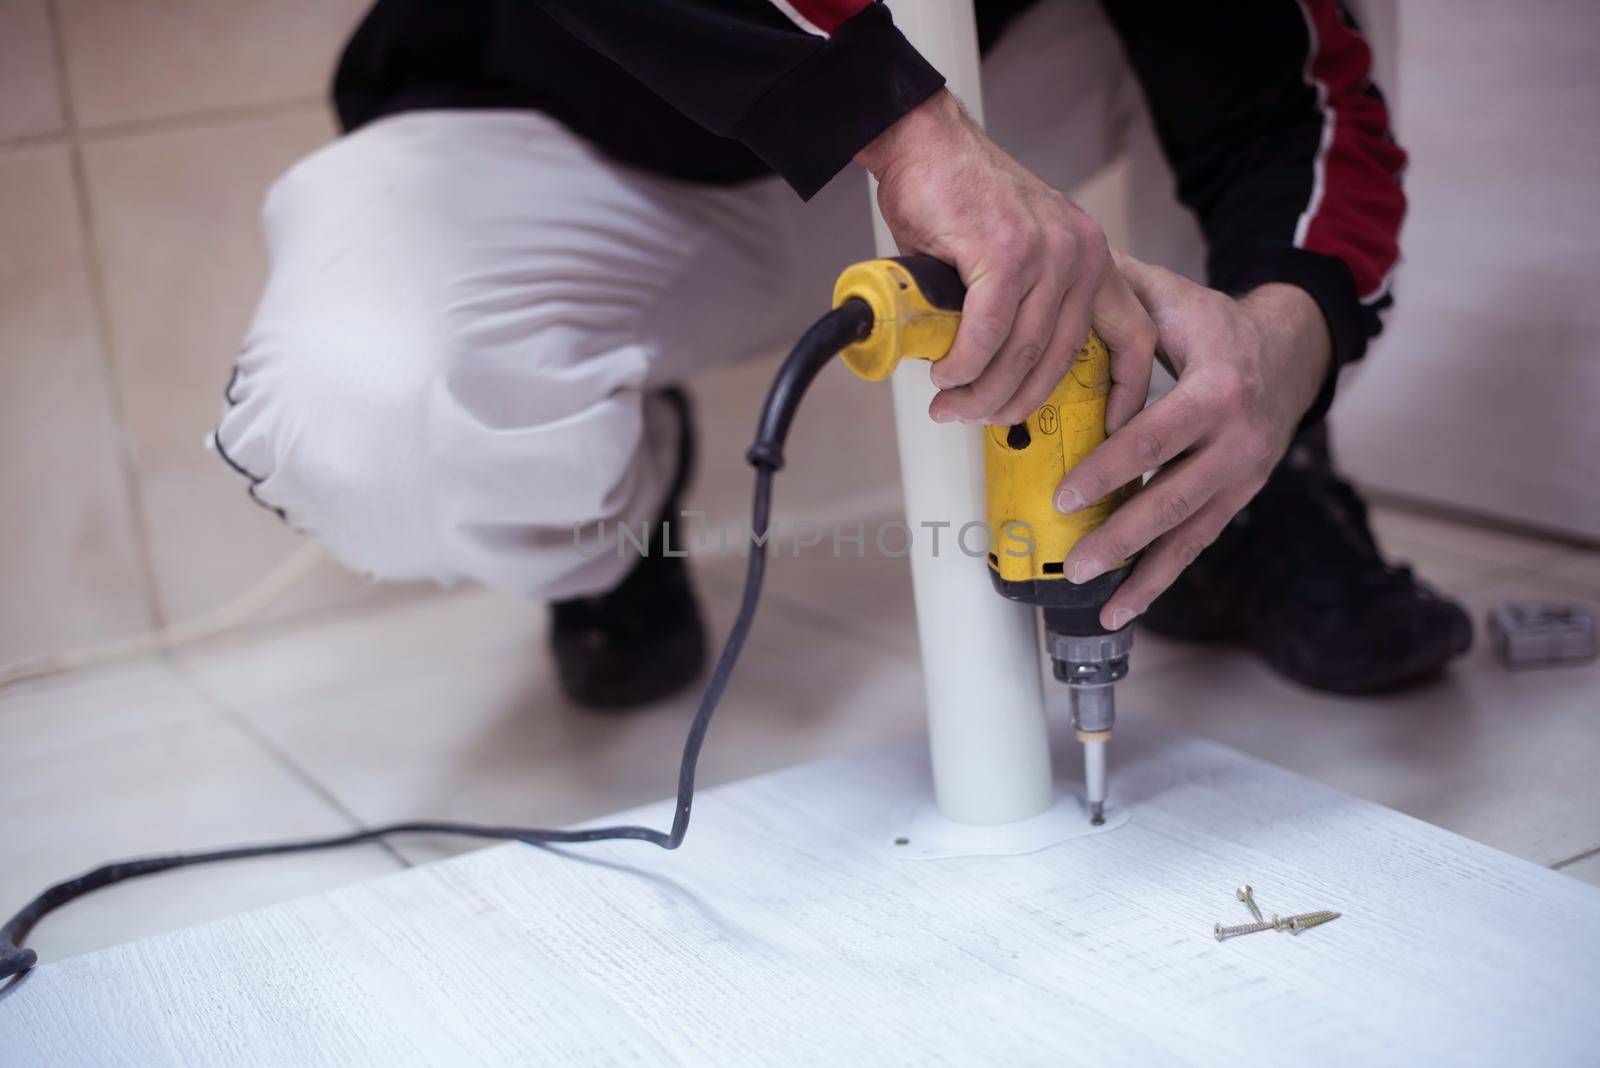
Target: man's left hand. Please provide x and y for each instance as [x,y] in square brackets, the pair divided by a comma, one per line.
[1247,371]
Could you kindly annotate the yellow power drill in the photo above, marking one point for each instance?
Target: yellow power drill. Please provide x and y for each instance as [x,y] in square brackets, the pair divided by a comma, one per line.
[915,304]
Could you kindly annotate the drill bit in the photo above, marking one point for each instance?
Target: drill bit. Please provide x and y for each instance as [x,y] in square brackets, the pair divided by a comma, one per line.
[1094,773]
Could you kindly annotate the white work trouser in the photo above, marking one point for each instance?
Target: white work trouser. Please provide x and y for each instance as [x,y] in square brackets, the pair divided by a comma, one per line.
[467,313]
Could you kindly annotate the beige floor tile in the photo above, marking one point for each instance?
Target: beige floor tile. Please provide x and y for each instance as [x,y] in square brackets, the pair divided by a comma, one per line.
[194,785]
[60,717]
[1587,869]
[1404,534]
[144,59]
[452,711]
[69,562]
[1570,573]
[29,102]
[1505,758]
[346,652]
[177,226]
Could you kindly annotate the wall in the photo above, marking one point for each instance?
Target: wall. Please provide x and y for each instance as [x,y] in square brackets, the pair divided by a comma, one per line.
[1482,394]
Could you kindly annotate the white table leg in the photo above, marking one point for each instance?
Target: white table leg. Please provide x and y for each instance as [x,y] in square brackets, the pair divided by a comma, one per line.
[980,653]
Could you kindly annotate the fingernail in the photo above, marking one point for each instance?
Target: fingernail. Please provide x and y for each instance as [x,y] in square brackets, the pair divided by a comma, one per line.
[1121,618]
[940,381]
[1084,570]
[1069,501]
[944,417]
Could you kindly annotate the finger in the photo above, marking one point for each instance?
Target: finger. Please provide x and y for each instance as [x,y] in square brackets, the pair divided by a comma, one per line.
[1151,438]
[1021,354]
[1166,502]
[987,316]
[1144,279]
[1164,295]
[1129,332]
[1165,561]
[1070,330]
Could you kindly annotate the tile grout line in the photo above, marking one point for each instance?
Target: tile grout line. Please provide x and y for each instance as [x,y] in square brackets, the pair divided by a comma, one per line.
[228,713]
[1486,573]
[198,120]
[180,121]
[89,250]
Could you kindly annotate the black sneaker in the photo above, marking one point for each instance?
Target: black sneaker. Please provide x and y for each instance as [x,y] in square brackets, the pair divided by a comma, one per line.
[1298,577]
[643,641]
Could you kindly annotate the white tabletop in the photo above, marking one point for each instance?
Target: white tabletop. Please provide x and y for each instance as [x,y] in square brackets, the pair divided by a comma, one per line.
[783,933]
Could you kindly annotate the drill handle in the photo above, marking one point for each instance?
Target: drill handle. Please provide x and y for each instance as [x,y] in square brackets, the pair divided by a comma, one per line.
[916,311]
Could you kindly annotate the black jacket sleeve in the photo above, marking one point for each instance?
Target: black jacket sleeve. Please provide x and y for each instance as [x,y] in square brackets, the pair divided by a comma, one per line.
[804,84]
[1281,146]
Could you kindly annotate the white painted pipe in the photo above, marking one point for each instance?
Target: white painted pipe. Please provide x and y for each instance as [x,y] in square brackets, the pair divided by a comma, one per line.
[980,652]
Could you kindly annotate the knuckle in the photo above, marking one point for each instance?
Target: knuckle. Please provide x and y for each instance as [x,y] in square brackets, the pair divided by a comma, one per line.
[1254,444]
[1090,234]
[1258,450]
[1028,354]
[1115,549]
[1215,302]
[1147,446]
[1174,509]
[989,333]
[1065,252]
[1014,245]
[1189,550]
[1227,390]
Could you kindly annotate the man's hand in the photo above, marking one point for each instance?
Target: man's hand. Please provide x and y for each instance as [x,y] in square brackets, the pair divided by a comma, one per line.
[1037,269]
[1247,371]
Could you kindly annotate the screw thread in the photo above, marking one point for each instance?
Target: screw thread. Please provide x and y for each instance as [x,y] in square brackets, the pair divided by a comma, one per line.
[1222,932]
[1296,924]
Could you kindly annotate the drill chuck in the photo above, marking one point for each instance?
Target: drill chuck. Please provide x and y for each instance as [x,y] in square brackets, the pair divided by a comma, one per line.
[1090,665]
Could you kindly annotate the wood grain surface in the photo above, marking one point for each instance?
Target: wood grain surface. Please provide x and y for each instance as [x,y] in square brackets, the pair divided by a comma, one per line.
[782,934]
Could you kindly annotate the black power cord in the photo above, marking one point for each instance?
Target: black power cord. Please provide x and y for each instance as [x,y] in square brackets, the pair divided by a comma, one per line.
[850,322]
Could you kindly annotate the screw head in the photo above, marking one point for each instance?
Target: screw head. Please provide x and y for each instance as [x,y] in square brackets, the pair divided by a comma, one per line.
[1246,894]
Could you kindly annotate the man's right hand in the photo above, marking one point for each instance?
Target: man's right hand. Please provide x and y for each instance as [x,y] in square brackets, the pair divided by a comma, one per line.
[1037,269]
